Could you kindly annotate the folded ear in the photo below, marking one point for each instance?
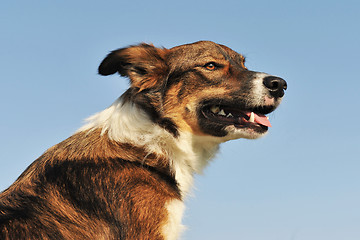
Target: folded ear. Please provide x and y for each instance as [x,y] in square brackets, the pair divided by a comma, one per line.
[144,64]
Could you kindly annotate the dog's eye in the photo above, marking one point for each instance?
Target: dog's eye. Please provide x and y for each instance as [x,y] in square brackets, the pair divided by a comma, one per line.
[210,66]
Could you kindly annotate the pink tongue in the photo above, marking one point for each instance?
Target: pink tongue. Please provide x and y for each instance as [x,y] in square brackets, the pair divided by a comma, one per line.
[260,119]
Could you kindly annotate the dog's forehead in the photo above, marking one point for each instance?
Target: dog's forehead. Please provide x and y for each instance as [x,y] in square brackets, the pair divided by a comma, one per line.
[203,50]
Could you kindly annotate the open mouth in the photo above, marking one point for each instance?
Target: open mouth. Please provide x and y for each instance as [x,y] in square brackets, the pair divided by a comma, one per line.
[253,118]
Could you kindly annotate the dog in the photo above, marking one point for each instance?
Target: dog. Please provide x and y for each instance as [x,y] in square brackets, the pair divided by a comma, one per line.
[126,172]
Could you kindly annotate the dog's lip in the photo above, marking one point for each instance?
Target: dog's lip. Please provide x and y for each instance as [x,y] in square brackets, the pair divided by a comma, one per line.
[238,106]
[239,117]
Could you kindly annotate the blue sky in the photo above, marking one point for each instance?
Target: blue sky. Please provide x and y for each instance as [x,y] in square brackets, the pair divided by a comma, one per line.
[300,182]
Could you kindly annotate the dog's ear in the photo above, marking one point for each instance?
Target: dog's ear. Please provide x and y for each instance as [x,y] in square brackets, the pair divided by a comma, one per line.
[144,64]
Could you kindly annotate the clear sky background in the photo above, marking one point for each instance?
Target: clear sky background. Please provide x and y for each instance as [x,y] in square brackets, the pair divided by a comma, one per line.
[300,182]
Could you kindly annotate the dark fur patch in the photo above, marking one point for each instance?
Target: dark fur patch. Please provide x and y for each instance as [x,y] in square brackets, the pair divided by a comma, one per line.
[150,100]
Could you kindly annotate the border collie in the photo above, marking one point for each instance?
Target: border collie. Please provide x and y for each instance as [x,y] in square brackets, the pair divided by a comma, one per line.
[125,173]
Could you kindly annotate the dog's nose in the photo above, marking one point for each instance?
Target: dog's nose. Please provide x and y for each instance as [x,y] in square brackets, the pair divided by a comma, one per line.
[275,85]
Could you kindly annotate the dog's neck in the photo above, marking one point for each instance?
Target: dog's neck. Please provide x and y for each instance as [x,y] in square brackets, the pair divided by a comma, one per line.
[124,122]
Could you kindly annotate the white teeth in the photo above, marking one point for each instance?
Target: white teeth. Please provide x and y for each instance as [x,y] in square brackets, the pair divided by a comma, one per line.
[222,113]
[252,117]
[215,109]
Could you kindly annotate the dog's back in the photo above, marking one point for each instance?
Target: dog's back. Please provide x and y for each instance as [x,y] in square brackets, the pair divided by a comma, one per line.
[88,196]
[125,173]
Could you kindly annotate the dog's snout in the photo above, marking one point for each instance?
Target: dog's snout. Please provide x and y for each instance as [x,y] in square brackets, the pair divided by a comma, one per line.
[275,85]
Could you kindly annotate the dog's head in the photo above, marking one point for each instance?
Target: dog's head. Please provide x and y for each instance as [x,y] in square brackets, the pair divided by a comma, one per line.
[203,88]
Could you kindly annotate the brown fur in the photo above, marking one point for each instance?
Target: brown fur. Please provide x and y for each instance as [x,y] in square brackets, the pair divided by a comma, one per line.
[144,190]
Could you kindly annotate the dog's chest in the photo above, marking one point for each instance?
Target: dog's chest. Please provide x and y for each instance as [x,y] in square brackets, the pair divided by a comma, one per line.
[173,227]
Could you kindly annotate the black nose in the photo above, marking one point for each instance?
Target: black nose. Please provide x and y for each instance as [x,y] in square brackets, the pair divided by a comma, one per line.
[275,85]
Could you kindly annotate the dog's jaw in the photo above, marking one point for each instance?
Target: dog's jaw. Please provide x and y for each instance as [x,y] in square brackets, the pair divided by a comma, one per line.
[242,117]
